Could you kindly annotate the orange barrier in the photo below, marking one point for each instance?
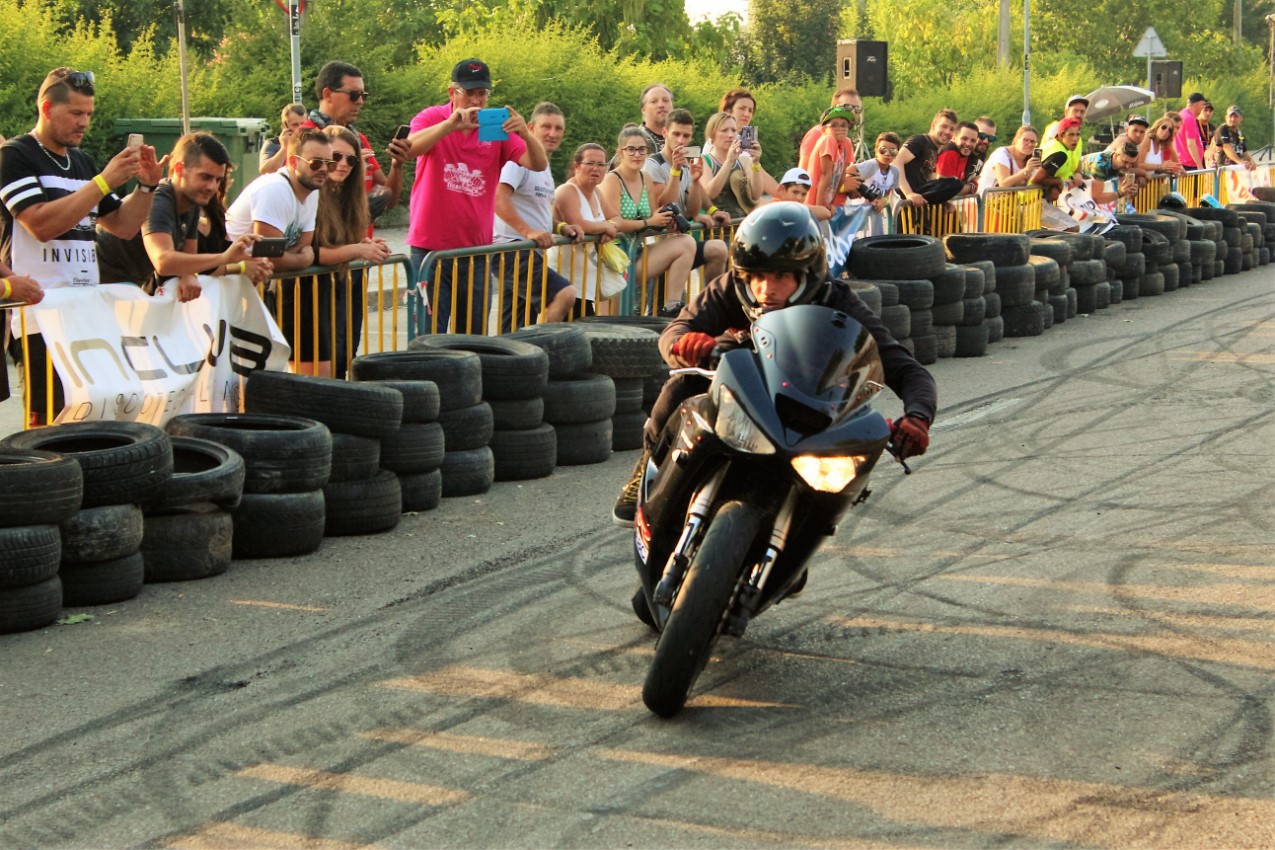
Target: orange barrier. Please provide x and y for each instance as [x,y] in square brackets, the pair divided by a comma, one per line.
[1011,209]
[1194,185]
[1151,193]
[959,215]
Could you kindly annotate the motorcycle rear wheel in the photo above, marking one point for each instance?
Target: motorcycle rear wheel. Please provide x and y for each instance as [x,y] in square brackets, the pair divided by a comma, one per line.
[699,610]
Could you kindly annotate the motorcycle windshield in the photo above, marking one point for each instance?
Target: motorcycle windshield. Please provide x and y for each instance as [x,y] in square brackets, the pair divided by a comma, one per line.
[821,358]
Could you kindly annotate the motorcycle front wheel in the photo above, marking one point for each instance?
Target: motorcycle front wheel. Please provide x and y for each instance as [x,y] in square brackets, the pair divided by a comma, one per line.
[700,608]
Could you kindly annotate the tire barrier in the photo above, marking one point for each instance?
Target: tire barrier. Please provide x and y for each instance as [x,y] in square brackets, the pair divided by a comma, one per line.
[38,490]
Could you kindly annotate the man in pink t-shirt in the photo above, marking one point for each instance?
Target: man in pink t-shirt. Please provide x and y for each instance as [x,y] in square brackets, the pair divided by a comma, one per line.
[454,196]
[1188,142]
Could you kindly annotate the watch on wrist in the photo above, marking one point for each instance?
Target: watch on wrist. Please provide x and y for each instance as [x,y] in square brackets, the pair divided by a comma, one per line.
[145,188]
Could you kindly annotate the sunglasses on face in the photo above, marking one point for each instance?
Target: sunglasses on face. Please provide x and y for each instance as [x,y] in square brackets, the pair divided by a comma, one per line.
[354,95]
[318,164]
[887,151]
[348,158]
[987,137]
[632,151]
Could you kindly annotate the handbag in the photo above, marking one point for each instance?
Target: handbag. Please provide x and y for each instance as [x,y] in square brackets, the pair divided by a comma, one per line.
[613,257]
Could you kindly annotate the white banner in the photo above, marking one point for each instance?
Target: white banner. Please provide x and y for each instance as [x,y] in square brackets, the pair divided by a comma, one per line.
[126,355]
[1240,182]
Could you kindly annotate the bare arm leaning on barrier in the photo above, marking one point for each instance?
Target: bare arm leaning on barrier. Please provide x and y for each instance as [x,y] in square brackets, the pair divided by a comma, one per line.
[18,287]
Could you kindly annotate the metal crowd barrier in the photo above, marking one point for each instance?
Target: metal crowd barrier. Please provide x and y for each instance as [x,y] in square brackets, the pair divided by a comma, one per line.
[1194,185]
[1235,183]
[1010,209]
[478,275]
[959,215]
[1152,192]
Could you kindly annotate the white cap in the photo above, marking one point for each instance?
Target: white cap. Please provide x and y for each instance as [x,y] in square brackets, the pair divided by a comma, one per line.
[796,175]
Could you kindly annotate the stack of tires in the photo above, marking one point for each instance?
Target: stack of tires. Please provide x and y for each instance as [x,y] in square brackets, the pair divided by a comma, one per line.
[287,461]
[1251,222]
[578,403]
[1015,277]
[1083,265]
[360,497]
[896,316]
[948,310]
[1227,258]
[910,263]
[628,354]
[188,531]
[1165,247]
[1197,246]
[124,465]
[428,465]
[1126,286]
[1266,223]
[510,419]
[1114,255]
[38,490]
[981,299]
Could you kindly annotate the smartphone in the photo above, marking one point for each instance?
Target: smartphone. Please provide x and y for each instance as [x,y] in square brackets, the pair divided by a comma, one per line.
[402,132]
[270,247]
[490,122]
[135,140]
[747,137]
[692,152]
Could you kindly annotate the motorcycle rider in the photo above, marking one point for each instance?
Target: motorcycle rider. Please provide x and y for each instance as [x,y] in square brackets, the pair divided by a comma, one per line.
[778,260]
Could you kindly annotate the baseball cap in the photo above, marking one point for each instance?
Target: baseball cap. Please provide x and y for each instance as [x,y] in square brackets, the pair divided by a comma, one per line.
[1137,119]
[796,175]
[1076,98]
[1234,109]
[1066,124]
[1195,97]
[471,74]
[837,112]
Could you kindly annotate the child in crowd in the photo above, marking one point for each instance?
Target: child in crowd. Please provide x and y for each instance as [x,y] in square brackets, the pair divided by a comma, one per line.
[880,175]
[832,156]
[795,186]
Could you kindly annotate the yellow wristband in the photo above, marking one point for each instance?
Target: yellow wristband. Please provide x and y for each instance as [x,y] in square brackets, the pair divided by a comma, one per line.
[102,184]
[675,172]
[712,209]
[756,167]
[8,288]
[240,267]
[558,229]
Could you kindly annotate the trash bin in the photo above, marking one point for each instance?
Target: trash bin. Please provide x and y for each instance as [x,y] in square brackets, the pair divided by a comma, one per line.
[243,138]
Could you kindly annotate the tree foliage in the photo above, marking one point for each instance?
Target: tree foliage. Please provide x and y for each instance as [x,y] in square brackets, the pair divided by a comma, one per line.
[791,40]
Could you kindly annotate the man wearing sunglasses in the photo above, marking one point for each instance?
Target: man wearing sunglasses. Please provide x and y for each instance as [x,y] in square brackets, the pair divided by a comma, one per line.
[986,136]
[53,196]
[454,196]
[342,94]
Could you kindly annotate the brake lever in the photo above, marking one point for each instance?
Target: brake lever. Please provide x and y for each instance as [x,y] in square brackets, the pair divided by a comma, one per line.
[890,447]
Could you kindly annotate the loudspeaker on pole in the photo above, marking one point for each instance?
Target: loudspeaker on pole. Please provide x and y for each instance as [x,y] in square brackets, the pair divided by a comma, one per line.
[1166,78]
[863,66]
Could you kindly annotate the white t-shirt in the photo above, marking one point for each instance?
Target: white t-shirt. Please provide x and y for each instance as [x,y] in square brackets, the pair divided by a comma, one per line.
[270,200]
[1000,156]
[532,200]
[884,182]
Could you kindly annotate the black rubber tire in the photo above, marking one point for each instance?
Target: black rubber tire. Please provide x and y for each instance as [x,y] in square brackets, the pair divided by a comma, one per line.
[368,506]
[915,294]
[1046,314]
[1057,304]
[102,582]
[972,341]
[187,544]
[1227,218]
[1130,235]
[1168,226]
[416,448]
[467,427]
[1105,292]
[989,274]
[354,458]
[925,349]
[23,609]
[583,443]
[38,487]
[363,409]
[1135,265]
[510,368]
[1088,272]
[1016,285]
[581,398]
[101,534]
[945,341]
[420,398]
[1181,249]
[278,525]
[1048,274]
[995,329]
[897,320]
[896,256]
[1150,284]
[1082,244]
[29,554]
[1001,249]
[203,471]
[700,608]
[652,386]
[517,414]
[974,310]
[628,394]
[975,281]
[626,430]
[1023,320]
[1156,248]
[1113,255]
[1054,249]
[948,314]
[567,346]
[949,285]
[422,491]
[458,374]
[122,462]
[992,305]
[868,294]
[281,454]
[620,351]
[468,473]
[922,323]
[522,455]
[653,323]
[889,292]
[1087,299]
[1170,275]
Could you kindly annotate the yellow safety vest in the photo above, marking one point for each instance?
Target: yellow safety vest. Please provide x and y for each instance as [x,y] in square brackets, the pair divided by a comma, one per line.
[1073,157]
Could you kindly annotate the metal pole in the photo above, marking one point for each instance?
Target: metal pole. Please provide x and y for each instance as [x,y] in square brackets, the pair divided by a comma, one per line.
[294,20]
[1002,37]
[1027,51]
[181,59]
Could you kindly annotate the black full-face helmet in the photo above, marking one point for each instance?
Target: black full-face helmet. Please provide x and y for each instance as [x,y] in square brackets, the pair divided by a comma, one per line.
[1173,201]
[779,237]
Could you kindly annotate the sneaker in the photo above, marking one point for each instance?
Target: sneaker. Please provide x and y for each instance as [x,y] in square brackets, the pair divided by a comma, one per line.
[625,510]
[671,310]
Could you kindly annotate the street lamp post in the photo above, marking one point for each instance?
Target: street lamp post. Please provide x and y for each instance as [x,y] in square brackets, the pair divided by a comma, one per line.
[1027,52]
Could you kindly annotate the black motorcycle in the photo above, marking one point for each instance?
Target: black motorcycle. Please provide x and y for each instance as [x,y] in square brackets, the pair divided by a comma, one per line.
[746,482]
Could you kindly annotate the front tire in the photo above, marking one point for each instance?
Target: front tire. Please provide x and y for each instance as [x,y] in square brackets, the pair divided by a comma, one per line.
[699,610]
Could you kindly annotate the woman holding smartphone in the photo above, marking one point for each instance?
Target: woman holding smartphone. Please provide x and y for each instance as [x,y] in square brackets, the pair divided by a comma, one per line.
[1013,164]
[733,177]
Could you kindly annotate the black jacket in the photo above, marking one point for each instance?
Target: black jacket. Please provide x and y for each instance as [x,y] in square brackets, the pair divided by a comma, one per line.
[717,310]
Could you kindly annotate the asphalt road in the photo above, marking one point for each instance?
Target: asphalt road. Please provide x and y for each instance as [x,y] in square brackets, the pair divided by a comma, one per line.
[1058,632]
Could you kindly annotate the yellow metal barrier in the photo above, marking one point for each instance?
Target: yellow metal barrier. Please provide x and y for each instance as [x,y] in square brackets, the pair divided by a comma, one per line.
[1194,185]
[1151,193]
[1012,209]
[959,215]
[1236,183]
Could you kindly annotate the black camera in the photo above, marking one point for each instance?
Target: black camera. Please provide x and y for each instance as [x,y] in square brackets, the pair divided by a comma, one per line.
[868,192]
[680,222]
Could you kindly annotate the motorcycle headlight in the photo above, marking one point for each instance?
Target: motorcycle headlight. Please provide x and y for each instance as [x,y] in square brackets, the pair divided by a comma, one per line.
[827,474]
[736,429]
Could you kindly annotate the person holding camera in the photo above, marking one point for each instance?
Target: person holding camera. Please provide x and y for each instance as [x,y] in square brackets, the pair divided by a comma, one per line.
[626,196]
[733,180]
[1013,164]
[677,169]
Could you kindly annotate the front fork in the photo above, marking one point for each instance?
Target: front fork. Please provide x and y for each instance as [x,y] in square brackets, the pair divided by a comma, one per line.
[750,594]
[679,560]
